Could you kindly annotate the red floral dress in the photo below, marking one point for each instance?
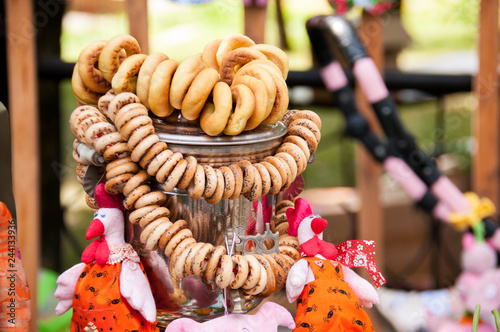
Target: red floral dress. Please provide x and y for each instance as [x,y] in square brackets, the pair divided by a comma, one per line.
[328,303]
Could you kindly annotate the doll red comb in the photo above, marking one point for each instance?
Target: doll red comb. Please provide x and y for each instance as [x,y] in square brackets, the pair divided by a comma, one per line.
[106,200]
[295,215]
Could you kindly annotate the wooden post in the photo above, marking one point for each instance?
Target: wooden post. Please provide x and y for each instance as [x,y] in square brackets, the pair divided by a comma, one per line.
[137,11]
[21,34]
[371,217]
[485,168]
[255,22]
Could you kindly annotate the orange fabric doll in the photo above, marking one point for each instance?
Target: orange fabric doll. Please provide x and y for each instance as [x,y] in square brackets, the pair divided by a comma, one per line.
[330,296]
[109,290]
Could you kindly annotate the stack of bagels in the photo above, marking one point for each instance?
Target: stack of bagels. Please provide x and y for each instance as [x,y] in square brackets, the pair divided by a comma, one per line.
[232,86]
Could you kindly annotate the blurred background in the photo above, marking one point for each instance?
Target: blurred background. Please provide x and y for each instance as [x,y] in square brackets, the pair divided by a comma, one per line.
[427,37]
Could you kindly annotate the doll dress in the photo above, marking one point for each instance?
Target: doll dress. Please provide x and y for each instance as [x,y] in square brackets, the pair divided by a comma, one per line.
[328,303]
[98,300]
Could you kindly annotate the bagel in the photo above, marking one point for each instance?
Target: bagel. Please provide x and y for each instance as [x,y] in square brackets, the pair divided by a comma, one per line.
[214,117]
[125,78]
[183,77]
[161,81]
[276,55]
[209,54]
[109,59]
[237,58]
[261,98]
[232,42]
[198,92]
[245,106]
[87,69]
[145,74]
[240,271]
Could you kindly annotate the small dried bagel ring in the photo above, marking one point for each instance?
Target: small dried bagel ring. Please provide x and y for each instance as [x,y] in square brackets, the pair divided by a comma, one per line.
[214,117]
[188,174]
[174,235]
[287,118]
[116,184]
[309,125]
[125,78]
[116,151]
[188,266]
[280,102]
[90,75]
[248,175]
[137,136]
[158,161]
[265,178]
[197,185]
[96,131]
[83,94]
[306,134]
[136,215]
[209,54]
[153,197]
[127,113]
[177,238]
[238,57]
[180,248]
[219,191]
[265,77]
[201,261]
[161,81]
[261,282]
[224,272]
[167,167]
[285,265]
[255,192]
[271,280]
[119,101]
[306,114]
[130,126]
[276,182]
[128,167]
[214,262]
[283,169]
[148,230]
[261,98]
[241,265]
[245,105]
[137,180]
[198,92]
[145,73]
[300,142]
[175,175]
[210,181]
[183,77]
[180,262]
[109,60]
[144,146]
[229,183]
[238,180]
[276,55]
[253,272]
[290,252]
[279,274]
[154,214]
[152,152]
[154,238]
[232,42]
[291,163]
[296,153]
[289,241]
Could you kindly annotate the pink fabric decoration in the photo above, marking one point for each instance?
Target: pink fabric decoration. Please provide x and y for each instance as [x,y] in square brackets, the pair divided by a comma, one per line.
[106,200]
[301,211]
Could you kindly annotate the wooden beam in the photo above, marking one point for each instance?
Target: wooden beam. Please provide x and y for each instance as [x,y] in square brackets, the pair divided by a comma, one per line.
[255,22]
[485,167]
[371,217]
[137,11]
[21,67]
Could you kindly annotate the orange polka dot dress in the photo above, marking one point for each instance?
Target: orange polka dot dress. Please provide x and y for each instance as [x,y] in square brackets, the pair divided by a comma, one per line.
[98,300]
[328,303]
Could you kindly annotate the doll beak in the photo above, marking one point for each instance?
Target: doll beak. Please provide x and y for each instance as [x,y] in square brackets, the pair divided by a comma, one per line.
[96,228]
[318,225]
